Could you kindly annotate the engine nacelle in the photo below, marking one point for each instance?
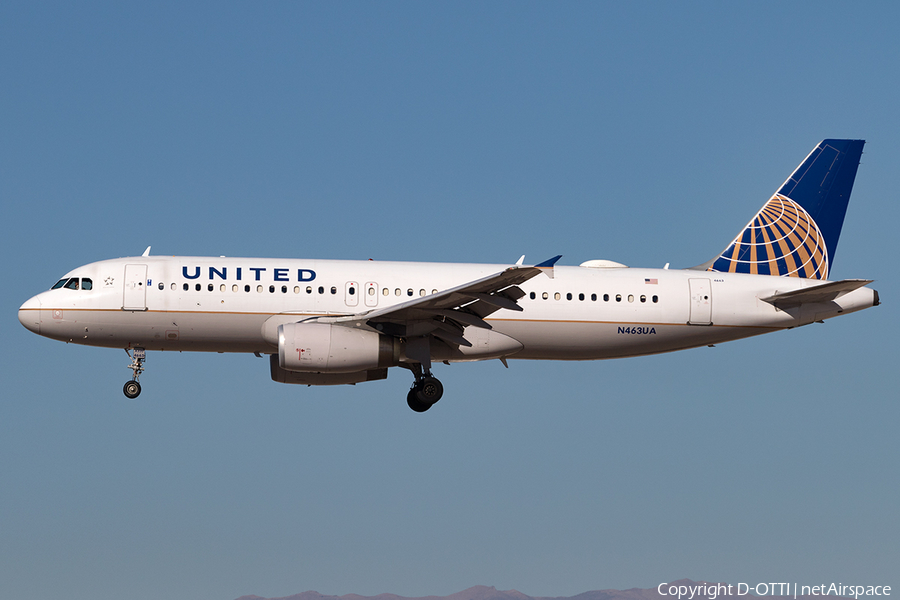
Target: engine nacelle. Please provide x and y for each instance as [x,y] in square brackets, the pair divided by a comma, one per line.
[306,378]
[325,348]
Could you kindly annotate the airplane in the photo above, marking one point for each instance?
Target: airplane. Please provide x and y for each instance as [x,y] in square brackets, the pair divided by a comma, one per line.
[332,322]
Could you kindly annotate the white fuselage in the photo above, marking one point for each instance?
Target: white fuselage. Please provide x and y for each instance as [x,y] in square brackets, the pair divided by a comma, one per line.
[582,313]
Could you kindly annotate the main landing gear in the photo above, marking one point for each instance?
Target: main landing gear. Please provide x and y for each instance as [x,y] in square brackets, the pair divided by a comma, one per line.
[132,388]
[426,390]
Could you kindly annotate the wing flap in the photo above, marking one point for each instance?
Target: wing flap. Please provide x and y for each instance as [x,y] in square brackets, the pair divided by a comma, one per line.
[465,318]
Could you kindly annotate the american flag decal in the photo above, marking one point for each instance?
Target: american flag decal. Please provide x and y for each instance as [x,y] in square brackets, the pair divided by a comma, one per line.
[651,281]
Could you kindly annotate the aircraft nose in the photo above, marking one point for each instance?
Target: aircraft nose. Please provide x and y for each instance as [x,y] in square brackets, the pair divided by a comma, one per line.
[30,315]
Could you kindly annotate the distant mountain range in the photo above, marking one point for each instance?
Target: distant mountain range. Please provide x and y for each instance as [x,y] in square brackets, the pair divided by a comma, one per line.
[483,592]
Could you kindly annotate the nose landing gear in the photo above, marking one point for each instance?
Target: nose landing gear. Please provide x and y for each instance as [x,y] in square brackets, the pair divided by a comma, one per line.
[132,388]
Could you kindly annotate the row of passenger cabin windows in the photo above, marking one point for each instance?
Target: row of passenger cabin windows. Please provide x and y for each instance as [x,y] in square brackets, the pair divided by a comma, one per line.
[297,289]
[371,291]
[606,297]
[72,283]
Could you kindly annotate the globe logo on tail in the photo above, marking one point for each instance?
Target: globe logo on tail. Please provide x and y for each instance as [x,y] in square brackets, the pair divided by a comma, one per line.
[782,239]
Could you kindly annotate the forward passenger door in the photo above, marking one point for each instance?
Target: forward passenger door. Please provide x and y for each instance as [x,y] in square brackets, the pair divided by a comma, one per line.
[135,296]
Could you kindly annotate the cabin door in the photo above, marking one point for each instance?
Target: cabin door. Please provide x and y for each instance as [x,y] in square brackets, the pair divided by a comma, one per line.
[701,302]
[135,288]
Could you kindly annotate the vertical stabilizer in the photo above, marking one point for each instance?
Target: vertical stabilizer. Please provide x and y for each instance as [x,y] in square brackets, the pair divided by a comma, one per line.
[796,233]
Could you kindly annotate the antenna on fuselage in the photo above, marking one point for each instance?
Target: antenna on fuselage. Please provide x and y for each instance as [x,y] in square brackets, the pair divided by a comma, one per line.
[146,252]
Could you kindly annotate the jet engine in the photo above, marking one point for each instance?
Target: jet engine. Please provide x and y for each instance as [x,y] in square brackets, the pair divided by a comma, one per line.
[309,378]
[326,348]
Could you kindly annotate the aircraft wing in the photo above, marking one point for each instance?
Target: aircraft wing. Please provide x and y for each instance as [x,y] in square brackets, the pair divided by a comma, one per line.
[446,313]
[819,293]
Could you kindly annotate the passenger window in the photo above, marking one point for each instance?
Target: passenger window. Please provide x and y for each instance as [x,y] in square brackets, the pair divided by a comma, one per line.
[385,292]
[197,287]
[581,296]
[87,284]
[606,297]
[72,284]
[235,288]
[296,289]
[59,284]
[397,292]
[209,287]
[222,288]
[434,291]
[162,286]
[421,292]
[618,297]
[284,289]
[631,297]
[309,289]
[569,296]
[185,287]
[655,299]
[545,295]
[333,290]
[593,297]
[532,295]
[271,289]
[246,288]
[556,296]
[371,291]
[259,289]
[352,291]
[409,292]
[173,287]
[643,298]
[321,289]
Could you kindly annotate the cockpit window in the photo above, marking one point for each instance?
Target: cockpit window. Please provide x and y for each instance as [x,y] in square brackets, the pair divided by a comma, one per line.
[72,283]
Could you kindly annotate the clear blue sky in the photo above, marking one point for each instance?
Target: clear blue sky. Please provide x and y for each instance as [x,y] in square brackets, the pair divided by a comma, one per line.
[639,132]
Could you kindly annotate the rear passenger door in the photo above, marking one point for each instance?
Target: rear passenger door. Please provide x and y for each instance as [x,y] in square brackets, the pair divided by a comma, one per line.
[701,301]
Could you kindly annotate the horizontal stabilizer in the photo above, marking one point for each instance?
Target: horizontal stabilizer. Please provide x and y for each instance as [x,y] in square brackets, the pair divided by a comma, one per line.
[820,293]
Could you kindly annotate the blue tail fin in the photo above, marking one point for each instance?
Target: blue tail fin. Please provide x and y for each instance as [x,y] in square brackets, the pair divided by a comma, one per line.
[796,232]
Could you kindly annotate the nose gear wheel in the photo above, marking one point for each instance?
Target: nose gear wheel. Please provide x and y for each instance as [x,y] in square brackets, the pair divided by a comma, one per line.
[132,389]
